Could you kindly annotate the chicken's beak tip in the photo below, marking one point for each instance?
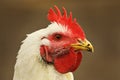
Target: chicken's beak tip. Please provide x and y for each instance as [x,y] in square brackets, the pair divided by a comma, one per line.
[91,48]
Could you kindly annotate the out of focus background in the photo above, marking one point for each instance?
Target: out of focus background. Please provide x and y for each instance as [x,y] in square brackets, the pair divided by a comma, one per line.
[100,20]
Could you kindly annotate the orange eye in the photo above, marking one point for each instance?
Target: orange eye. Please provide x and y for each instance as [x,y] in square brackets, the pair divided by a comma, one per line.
[58,36]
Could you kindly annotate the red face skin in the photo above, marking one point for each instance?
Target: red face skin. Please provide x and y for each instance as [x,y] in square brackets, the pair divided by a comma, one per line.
[60,53]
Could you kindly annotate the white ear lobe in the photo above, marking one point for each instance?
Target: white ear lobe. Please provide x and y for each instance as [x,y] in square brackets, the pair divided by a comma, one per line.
[45,41]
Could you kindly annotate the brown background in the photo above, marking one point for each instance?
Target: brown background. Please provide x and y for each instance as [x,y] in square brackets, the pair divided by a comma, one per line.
[100,20]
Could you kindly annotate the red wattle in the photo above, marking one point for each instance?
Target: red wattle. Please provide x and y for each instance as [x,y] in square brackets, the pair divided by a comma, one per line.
[68,62]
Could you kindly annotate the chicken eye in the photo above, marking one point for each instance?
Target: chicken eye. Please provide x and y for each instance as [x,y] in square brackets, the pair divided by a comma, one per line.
[58,36]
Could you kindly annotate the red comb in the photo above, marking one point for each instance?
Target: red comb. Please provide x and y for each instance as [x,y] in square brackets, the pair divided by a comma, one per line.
[56,16]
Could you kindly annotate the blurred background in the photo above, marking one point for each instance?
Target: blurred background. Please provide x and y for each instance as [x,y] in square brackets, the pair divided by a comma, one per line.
[100,20]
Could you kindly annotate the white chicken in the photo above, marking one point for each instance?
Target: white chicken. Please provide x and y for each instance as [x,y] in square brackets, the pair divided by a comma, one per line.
[52,53]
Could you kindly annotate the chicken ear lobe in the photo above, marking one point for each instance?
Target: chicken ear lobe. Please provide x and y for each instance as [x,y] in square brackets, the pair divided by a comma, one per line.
[44,52]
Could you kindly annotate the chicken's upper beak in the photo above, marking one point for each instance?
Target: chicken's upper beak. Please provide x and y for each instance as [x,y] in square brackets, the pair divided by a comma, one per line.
[83,45]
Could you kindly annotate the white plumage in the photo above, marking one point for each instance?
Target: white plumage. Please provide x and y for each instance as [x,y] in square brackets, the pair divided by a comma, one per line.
[29,64]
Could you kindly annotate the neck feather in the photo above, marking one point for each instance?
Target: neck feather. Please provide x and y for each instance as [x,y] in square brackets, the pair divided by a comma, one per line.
[30,66]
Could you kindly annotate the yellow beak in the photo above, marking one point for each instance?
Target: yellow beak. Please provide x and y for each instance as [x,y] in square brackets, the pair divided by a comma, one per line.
[83,45]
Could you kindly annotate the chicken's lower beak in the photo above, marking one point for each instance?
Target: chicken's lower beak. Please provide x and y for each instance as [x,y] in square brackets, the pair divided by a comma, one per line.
[84,45]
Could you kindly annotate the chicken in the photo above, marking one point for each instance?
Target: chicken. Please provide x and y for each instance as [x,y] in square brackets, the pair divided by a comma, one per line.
[52,53]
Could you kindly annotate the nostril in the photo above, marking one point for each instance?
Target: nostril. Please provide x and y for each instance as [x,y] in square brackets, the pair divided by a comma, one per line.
[88,44]
[79,40]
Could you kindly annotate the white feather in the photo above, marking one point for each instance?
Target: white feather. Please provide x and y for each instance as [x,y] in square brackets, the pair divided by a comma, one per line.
[29,65]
